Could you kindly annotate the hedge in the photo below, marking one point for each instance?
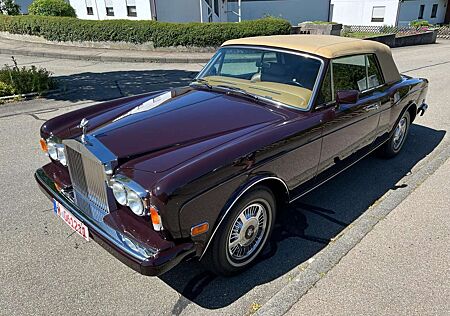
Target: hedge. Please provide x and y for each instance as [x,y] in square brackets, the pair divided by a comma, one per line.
[162,34]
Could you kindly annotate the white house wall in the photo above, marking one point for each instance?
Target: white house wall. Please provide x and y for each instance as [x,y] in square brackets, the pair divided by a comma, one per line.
[120,10]
[178,10]
[359,12]
[409,11]
[293,10]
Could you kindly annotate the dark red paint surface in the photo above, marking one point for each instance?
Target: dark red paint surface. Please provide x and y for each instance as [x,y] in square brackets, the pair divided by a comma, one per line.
[200,148]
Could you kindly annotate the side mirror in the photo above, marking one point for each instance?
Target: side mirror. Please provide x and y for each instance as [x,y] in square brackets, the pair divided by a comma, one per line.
[347,96]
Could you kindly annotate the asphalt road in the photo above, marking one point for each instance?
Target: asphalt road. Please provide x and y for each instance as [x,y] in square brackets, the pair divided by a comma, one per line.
[46,269]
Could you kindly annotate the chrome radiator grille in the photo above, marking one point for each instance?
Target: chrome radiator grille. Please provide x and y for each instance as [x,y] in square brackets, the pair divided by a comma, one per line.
[89,183]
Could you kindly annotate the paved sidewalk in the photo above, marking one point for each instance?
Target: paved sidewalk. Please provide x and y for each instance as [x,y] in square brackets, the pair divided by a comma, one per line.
[402,267]
[16,47]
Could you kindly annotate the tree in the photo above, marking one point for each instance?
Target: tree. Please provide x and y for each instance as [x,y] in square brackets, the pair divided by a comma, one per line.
[9,7]
[51,8]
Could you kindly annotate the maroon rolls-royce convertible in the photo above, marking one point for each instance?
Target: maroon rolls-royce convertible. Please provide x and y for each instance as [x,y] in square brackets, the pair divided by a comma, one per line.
[202,171]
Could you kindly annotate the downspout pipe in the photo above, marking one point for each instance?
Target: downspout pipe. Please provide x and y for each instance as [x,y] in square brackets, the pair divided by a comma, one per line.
[329,11]
[154,15]
[398,12]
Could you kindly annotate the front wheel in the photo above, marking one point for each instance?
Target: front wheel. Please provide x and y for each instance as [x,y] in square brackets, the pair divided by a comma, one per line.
[395,143]
[243,234]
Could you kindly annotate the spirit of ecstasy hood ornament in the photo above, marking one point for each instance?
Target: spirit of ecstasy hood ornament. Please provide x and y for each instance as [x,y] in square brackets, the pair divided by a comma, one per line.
[83,125]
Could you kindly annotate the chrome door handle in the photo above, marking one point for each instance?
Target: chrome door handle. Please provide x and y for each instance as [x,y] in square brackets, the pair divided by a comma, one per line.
[372,107]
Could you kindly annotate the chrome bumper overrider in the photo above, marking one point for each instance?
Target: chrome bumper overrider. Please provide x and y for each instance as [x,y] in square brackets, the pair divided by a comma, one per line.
[421,110]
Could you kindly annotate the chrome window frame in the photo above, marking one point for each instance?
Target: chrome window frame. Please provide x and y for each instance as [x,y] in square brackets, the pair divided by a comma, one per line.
[279,50]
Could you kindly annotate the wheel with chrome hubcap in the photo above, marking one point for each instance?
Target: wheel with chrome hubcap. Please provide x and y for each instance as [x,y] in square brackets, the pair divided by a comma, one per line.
[243,234]
[247,232]
[395,143]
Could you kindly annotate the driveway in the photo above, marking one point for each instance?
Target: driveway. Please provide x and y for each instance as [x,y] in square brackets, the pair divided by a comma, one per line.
[46,269]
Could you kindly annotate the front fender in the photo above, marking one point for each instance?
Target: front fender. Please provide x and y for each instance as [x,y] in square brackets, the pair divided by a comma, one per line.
[214,205]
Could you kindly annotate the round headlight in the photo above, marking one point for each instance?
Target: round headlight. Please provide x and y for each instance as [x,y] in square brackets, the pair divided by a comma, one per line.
[52,149]
[61,155]
[119,193]
[135,203]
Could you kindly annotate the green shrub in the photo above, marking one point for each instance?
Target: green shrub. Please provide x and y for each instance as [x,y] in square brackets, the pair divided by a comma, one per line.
[16,80]
[5,89]
[9,7]
[51,8]
[420,23]
[162,34]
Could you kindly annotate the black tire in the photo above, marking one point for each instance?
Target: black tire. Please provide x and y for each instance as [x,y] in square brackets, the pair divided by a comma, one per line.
[218,258]
[394,145]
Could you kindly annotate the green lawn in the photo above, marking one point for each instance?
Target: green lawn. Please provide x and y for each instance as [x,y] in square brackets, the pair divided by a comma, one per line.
[361,34]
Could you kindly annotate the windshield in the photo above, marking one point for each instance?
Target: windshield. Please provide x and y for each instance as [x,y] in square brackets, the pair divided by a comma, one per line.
[287,78]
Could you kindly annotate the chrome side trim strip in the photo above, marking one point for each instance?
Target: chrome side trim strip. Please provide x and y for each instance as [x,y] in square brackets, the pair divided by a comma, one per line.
[234,202]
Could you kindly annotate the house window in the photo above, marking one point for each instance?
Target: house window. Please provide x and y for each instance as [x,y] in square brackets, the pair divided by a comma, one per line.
[421,10]
[89,7]
[434,10]
[378,14]
[131,8]
[109,8]
[216,7]
[109,11]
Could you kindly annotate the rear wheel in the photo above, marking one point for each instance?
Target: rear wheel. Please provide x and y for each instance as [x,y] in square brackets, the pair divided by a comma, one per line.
[243,234]
[395,143]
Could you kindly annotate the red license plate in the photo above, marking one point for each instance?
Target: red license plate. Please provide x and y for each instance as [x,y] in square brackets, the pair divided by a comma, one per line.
[71,220]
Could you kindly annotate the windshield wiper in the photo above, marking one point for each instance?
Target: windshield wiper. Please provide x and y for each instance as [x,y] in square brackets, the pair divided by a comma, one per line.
[201,81]
[248,94]
[238,90]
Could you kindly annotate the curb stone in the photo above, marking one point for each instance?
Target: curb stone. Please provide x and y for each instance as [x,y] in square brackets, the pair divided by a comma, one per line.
[310,272]
[166,60]
[27,96]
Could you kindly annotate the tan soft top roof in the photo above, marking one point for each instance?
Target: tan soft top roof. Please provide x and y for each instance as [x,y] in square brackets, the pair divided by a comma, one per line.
[327,46]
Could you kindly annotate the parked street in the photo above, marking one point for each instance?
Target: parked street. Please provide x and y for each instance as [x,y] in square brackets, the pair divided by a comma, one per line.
[400,267]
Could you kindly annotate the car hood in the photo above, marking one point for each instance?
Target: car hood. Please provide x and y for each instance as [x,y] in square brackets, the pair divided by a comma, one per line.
[189,123]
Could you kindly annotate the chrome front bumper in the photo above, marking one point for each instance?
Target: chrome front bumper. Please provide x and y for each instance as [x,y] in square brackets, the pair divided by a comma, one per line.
[422,109]
[145,260]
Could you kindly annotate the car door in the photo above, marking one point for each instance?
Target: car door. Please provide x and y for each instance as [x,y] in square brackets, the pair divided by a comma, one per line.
[349,126]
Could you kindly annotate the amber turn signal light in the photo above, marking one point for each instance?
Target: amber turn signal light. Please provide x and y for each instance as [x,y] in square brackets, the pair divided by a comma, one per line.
[43,144]
[156,219]
[199,229]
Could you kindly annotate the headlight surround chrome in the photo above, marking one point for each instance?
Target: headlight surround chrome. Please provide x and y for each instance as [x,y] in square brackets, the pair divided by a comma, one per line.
[61,154]
[55,150]
[52,149]
[129,193]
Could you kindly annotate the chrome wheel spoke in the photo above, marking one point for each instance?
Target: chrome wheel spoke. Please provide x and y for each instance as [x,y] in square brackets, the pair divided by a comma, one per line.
[258,213]
[234,243]
[243,218]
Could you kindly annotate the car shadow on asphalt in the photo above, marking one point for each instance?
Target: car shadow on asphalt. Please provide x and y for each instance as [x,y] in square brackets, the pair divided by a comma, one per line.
[111,85]
[306,226]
